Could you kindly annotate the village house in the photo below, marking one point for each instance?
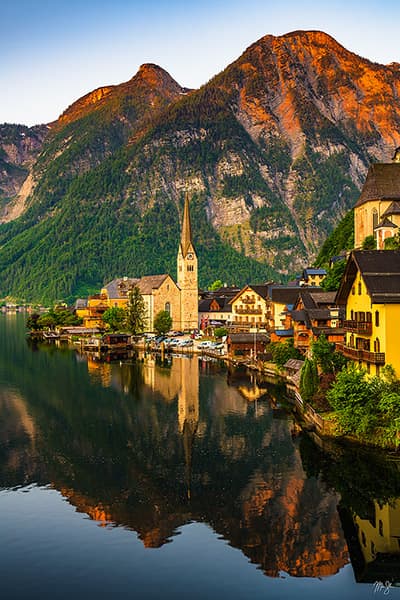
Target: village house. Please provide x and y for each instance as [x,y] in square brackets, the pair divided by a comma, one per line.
[370,291]
[314,313]
[250,308]
[215,309]
[159,292]
[312,276]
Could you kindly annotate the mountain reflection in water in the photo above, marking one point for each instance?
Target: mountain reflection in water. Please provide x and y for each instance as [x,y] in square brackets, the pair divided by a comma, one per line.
[152,445]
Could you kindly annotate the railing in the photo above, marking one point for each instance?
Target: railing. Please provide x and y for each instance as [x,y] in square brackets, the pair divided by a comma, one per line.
[358,326]
[248,300]
[375,358]
[247,310]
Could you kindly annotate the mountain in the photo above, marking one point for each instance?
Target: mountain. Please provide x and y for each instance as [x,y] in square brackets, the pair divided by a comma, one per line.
[272,151]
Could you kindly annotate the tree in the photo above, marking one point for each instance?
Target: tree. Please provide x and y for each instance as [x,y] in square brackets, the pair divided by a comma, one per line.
[333,278]
[114,317]
[325,355]
[216,285]
[219,332]
[162,322]
[369,243]
[135,312]
[281,352]
[308,380]
[393,243]
[32,322]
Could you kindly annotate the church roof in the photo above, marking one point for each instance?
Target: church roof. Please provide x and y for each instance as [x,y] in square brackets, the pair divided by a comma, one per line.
[120,287]
[186,234]
[385,223]
[150,282]
[382,183]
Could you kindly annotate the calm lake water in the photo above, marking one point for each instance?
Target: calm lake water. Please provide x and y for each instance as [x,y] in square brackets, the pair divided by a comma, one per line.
[178,480]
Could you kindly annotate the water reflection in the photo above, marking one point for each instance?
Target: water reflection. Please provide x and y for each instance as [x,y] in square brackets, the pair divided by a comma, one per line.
[152,445]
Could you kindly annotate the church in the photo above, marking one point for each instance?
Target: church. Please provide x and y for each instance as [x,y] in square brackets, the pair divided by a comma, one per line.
[159,292]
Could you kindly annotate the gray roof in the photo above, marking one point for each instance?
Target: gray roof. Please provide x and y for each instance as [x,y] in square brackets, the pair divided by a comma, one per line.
[120,287]
[245,338]
[284,295]
[385,223]
[392,209]
[382,183]
[380,270]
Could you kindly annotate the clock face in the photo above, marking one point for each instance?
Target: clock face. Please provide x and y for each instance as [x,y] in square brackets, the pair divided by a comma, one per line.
[190,256]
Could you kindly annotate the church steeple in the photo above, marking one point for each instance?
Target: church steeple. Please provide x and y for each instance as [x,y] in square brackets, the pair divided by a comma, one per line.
[187,274]
[186,234]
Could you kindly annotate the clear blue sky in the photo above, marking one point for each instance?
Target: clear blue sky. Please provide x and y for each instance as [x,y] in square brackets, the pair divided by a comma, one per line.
[54,51]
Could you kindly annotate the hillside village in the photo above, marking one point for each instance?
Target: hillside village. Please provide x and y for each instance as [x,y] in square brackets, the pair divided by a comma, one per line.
[360,319]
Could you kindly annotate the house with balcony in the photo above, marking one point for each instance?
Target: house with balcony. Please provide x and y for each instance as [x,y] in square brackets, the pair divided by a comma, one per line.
[370,293]
[315,313]
[250,308]
[281,302]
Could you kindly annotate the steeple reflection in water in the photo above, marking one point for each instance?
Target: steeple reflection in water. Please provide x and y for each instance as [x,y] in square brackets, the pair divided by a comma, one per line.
[154,445]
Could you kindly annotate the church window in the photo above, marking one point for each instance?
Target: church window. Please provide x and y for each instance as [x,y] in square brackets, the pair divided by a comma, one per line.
[167,307]
[380,527]
[377,345]
[374,218]
[377,318]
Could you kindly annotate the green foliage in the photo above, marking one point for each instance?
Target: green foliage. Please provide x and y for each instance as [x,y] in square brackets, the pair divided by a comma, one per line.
[162,322]
[333,278]
[114,317]
[281,352]
[219,332]
[216,285]
[32,322]
[308,380]
[325,356]
[393,243]
[58,316]
[340,240]
[135,319]
[367,407]
[369,243]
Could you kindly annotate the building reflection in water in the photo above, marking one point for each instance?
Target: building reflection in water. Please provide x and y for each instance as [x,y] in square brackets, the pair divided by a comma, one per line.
[153,445]
[374,543]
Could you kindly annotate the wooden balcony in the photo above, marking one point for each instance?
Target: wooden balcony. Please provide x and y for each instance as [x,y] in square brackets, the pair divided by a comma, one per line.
[248,300]
[374,358]
[248,310]
[363,327]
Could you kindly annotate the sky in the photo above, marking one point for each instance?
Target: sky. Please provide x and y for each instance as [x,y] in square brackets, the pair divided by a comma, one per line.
[52,52]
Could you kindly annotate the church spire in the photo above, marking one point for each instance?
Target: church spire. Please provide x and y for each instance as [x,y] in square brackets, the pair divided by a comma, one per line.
[186,235]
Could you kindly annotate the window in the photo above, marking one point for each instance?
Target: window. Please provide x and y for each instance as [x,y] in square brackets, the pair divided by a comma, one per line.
[374,218]
[377,345]
[167,307]
[359,288]
[190,267]
[377,318]
[353,290]
[380,528]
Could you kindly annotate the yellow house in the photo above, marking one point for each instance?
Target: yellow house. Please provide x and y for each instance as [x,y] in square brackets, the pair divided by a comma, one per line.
[377,211]
[370,291]
[249,307]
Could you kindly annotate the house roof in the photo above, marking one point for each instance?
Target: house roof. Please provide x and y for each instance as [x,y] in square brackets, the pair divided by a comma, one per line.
[380,270]
[382,183]
[245,338]
[294,363]
[120,287]
[223,302]
[284,295]
[311,271]
[322,297]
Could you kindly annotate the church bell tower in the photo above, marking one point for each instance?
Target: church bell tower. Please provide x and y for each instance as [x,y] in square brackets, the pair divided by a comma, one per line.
[187,274]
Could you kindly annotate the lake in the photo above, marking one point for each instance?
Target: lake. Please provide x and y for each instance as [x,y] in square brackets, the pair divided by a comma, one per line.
[179,479]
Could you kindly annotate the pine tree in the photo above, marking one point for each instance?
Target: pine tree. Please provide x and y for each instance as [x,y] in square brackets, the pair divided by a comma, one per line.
[135,312]
[308,380]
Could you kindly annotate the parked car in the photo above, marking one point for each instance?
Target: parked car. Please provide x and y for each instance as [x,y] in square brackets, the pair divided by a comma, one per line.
[204,345]
[184,343]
